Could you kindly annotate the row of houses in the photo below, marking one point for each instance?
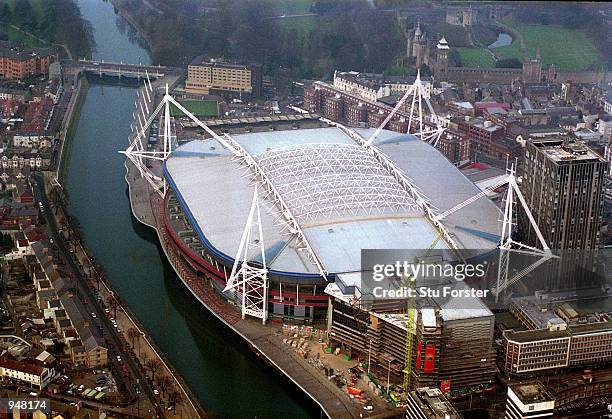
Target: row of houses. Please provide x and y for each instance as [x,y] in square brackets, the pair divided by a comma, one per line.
[59,305]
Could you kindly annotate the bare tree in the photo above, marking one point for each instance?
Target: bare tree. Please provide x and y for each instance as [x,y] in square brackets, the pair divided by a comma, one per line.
[153,365]
[163,381]
[133,335]
[175,396]
[112,303]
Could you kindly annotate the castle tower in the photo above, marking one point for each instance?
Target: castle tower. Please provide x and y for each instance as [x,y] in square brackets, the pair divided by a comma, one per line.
[552,73]
[441,67]
[532,69]
[419,48]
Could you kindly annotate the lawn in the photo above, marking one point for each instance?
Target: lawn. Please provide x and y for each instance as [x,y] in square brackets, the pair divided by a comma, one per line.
[456,36]
[302,24]
[21,38]
[570,50]
[476,57]
[510,51]
[199,108]
[291,7]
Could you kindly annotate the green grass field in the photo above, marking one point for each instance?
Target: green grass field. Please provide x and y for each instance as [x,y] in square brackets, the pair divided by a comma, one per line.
[476,57]
[204,108]
[21,38]
[302,25]
[570,50]
[291,7]
[510,51]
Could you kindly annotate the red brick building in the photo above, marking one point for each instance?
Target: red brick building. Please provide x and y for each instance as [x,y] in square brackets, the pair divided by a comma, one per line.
[20,64]
[355,111]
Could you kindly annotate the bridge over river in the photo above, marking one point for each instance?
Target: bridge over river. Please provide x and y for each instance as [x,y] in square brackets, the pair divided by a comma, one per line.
[121,70]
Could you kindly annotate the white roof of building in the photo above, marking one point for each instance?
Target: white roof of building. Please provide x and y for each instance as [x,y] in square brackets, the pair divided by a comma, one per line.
[343,199]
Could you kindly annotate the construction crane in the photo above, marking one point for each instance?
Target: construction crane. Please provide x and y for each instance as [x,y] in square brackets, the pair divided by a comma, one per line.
[409,328]
[410,322]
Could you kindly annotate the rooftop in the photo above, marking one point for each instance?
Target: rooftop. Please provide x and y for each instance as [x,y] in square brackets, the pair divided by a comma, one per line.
[527,336]
[530,393]
[342,197]
[212,62]
[10,50]
[561,151]
[432,403]
[21,366]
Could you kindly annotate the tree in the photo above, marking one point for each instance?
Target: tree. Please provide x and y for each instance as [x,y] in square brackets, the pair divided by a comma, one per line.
[455,57]
[48,22]
[5,14]
[163,381]
[112,303]
[425,70]
[175,396]
[133,335]
[24,15]
[153,365]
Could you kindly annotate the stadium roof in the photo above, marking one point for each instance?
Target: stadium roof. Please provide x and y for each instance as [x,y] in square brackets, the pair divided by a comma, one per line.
[343,199]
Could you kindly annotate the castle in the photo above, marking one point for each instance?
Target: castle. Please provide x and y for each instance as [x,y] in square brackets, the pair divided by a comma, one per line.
[433,52]
[421,50]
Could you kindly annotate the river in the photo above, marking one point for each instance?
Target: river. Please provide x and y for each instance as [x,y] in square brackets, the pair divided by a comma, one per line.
[502,40]
[228,379]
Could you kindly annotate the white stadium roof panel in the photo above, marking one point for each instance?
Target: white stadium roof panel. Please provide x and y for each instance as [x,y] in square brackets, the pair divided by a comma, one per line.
[341,197]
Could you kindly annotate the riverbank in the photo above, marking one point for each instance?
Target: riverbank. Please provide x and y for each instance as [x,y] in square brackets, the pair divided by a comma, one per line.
[147,349]
[67,130]
[132,22]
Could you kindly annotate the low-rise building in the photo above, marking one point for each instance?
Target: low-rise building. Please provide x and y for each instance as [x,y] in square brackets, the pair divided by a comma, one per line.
[31,374]
[20,63]
[527,401]
[215,76]
[604,127]
[576,345]
[375,86]
[430,403]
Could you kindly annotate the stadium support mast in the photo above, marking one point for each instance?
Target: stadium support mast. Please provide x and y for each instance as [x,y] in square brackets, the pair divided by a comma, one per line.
[250,279]
[136,150]
[422,131]
[507,244]
[136,153]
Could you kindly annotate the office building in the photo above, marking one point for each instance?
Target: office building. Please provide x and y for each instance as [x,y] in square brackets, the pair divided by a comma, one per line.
[218,77]
[563,185]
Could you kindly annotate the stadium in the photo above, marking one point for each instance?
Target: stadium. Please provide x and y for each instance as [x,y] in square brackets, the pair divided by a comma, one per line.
[324,196]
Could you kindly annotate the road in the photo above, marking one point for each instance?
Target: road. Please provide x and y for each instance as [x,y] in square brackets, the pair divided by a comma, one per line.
[85,291]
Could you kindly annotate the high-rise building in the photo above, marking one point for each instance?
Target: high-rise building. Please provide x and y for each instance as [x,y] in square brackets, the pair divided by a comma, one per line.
[563,185]
[608,156]
[529,401]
